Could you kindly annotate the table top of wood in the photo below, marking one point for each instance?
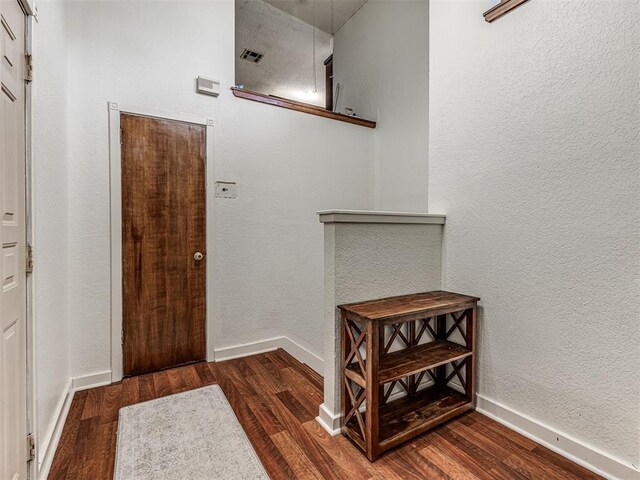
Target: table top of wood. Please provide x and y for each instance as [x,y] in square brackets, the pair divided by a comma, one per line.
[425,302]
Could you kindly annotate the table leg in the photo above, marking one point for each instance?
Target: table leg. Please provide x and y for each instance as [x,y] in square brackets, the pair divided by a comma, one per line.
[372,413]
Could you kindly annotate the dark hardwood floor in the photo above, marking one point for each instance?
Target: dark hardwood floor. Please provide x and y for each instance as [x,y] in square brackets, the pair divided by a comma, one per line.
[276,399]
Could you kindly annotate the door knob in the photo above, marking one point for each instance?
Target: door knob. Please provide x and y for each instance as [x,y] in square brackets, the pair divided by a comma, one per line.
[198,256]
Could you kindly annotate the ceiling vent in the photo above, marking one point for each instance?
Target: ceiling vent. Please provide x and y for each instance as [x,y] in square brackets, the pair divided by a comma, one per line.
[251,56]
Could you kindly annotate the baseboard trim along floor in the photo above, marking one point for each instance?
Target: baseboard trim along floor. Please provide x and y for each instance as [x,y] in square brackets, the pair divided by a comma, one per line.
[329,420]
[297,351]
[47,448]
[585,455]
[50,442]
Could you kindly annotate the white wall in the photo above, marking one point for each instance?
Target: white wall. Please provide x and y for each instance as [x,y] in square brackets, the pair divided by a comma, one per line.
[50,218]
[534,147]
[363,261]
[381,60]
[268,245]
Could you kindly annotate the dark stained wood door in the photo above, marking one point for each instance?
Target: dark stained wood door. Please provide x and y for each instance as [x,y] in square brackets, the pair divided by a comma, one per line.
[163,230]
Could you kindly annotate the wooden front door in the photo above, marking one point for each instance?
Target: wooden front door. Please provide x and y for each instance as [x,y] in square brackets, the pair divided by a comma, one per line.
[163,243]
[13,299]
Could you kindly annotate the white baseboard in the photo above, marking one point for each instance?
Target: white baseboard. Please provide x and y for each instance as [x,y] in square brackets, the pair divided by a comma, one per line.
[92,380]
[49,444]
[295,350]
[51,439]
[329,420]
[583,454]
[303,355]
[246,349]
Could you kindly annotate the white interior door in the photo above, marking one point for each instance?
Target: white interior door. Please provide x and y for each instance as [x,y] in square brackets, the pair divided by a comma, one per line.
[13,352]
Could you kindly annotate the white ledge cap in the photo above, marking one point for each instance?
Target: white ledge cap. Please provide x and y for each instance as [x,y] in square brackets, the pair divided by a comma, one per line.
[371,216]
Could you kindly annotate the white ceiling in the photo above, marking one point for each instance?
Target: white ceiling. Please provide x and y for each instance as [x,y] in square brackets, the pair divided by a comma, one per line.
[286,70]
[327,15]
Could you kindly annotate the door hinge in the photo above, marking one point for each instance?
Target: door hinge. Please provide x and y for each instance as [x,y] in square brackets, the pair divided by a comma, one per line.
[28,67]
[29,266]
[121,337]
[31,447]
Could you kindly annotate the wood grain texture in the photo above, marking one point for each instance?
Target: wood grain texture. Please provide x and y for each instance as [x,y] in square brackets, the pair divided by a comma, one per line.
[163,225]
[300,107]
[426,304]
[370,383]
[372,391]
[501,9]
[291,444]
[404,418]
[410,361]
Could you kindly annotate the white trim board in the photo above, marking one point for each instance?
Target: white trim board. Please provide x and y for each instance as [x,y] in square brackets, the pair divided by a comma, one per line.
[31,323]
[92,380]
[294,349]
[373,216]
[54,432]
[329,420]
[583,454]
[115,191]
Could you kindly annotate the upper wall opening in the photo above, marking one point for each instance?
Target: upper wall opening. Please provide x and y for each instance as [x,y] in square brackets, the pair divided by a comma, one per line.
[284,54]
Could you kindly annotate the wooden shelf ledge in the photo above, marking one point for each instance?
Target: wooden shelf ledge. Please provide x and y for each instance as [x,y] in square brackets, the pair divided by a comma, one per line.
[409,416]
[374,216]
[412,360]
[501,9]
[299,107]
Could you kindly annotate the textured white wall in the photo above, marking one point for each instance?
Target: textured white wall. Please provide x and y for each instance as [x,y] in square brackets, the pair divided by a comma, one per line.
[381,60]
[50,216]
[364,261]
[534,157]
[268,245]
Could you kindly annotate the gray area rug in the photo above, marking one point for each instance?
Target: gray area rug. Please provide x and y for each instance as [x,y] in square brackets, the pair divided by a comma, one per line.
[192,435]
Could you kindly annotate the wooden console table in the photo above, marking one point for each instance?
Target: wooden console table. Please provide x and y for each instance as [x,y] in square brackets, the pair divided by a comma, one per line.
[422,372]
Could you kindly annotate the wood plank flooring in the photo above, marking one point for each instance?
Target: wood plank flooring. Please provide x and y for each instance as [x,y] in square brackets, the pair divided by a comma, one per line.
[276,399]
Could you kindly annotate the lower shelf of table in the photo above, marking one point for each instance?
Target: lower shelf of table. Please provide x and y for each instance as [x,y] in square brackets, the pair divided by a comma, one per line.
[410,416]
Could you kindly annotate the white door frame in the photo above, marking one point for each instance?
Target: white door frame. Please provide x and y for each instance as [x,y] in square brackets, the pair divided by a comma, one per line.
[31,392]
[115,159]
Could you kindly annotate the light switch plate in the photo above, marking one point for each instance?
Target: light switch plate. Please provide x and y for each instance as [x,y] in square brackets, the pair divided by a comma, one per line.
[226,189]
